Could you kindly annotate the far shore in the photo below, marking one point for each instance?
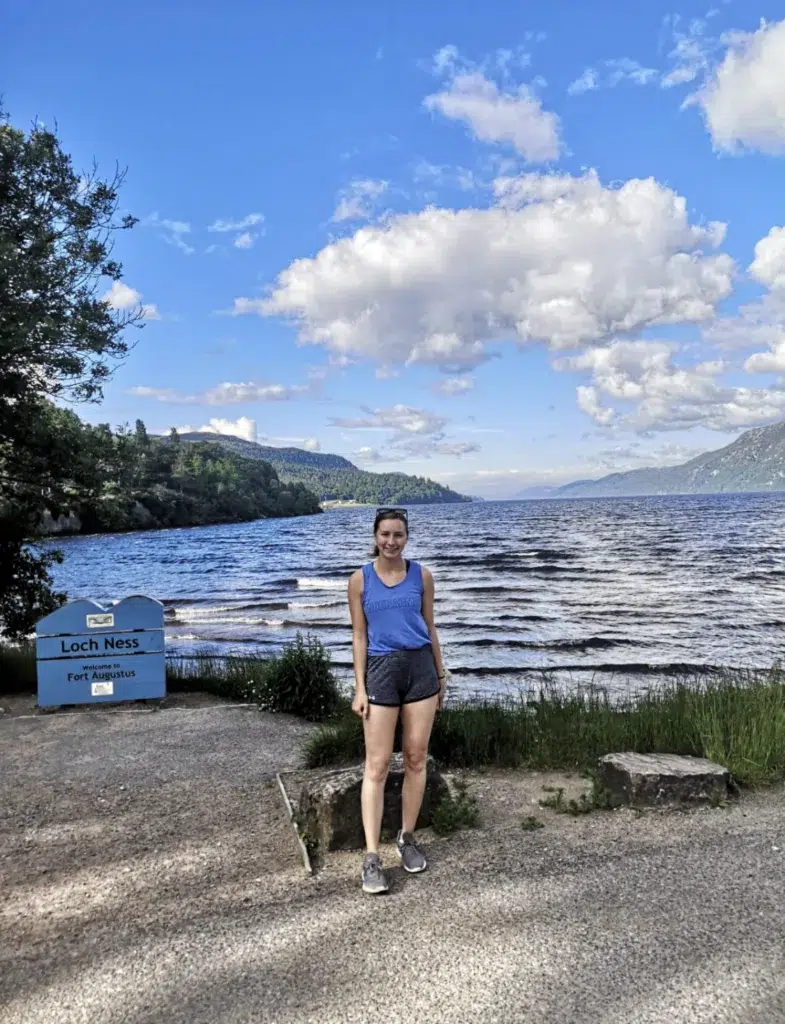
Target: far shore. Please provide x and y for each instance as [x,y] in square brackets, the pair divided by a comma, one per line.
[328,506]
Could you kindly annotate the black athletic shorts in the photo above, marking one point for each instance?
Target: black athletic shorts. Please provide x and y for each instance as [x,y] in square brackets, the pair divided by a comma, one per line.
[402,677]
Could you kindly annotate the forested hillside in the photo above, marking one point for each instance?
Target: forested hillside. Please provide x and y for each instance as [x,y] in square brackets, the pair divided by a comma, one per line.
[127,480]
[333,478]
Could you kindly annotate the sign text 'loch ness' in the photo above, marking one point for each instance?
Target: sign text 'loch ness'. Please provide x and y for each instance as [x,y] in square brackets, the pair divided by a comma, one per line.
[89,643]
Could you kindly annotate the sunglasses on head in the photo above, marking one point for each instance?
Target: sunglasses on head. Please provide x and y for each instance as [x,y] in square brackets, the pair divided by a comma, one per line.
[398,513]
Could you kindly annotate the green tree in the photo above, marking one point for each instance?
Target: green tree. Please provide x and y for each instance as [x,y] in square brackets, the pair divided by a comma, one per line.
[59,340]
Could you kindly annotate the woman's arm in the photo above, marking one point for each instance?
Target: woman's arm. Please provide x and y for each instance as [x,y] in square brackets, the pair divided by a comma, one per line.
[359,643]
[428,590]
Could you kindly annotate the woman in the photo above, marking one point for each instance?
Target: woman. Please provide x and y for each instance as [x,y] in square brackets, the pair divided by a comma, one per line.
[398,670]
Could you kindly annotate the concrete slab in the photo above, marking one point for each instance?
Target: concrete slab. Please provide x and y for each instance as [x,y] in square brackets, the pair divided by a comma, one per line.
[662,780]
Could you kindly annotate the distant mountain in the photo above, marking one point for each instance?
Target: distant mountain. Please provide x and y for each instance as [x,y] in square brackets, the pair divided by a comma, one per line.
[333,478]
[755,461]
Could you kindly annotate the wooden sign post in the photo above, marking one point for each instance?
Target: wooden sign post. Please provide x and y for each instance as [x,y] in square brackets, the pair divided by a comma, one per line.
[86,653]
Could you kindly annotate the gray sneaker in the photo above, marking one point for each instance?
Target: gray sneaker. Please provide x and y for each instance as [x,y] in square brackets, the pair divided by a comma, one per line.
[373,876]
[412,857]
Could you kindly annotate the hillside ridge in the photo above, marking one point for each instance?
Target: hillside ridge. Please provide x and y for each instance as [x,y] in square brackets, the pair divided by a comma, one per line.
[754,462]
[333,478]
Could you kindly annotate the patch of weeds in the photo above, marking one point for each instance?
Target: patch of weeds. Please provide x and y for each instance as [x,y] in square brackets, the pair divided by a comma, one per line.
[456,812]
[531,824]
[598,799]
[556,800]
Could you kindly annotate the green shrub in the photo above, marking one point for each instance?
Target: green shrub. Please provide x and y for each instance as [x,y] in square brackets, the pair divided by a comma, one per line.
[456,812]
[298,682]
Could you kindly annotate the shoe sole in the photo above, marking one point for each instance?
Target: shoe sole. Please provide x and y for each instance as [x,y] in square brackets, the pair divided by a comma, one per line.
[375,891]
[412,871]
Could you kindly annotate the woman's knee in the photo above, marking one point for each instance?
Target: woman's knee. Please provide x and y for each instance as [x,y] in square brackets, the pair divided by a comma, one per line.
[415,759]
[376,768]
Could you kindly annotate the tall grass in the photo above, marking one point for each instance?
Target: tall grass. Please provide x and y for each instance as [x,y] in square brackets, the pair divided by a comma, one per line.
[736,719]
[297,681]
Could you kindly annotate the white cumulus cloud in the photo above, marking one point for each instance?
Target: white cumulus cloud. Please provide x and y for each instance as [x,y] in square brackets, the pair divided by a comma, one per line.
[566,262]
[122,297]
[743,101]
[588,401]
[638,386]
[242,427]
[761,322]
[514,117]
[772,361]
[768,267]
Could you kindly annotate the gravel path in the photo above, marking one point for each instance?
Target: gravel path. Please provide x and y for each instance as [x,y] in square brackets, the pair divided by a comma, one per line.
[149,875]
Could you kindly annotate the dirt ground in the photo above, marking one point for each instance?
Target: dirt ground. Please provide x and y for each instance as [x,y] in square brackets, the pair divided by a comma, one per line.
[149,874]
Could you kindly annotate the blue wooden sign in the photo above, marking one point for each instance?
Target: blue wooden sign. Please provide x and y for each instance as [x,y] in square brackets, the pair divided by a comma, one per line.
[88,654]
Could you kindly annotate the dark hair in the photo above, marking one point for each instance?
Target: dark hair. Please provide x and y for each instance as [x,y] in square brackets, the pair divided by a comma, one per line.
[388,513]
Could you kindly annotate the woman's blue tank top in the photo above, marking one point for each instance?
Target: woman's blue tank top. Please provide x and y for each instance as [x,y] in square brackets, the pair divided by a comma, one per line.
[394,614]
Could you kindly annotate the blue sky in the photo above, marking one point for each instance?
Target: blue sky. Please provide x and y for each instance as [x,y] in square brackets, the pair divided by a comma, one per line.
[500,245]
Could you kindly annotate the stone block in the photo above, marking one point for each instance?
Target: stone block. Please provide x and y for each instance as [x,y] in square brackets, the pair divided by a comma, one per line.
[329,806]
[657,780]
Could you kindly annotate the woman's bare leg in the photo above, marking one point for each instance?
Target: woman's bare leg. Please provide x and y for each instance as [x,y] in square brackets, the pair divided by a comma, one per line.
[417,724]
[379,729]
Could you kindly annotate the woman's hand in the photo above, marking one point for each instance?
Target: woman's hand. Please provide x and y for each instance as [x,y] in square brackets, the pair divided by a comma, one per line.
[442,688]
[440,695]
[360,705]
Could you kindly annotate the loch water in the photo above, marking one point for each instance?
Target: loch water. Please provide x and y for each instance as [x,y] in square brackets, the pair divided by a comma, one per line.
[618,592]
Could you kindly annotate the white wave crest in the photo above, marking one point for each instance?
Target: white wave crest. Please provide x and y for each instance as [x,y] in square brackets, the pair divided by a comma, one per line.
[308,583]
[200,613]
